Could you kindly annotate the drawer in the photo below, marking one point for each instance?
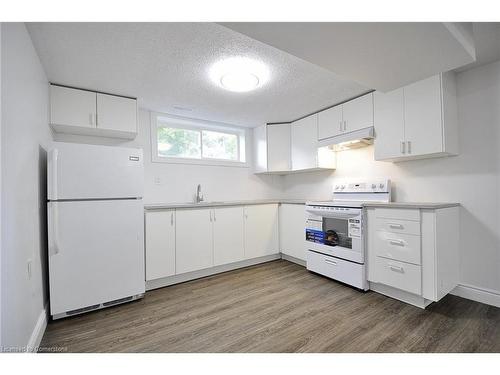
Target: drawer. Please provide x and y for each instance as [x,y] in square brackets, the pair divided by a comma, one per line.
[398,213]
[337,269]
[404,276]
[398,226]
[398,246]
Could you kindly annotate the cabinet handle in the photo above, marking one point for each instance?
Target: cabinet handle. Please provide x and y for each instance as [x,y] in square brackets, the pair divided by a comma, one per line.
[409,146]
[396,268]
[210,215]
[396,226]
[215,218]
[402,147]
[172,218]
[91,119]
[345,125]
[96,120]
[332,262]
[340,126]
[397,242]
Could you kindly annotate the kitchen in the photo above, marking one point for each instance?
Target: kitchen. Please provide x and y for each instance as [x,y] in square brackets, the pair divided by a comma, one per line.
[375,196]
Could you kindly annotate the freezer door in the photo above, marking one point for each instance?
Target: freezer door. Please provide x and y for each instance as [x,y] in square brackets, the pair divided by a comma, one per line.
[78,171]
[96,252]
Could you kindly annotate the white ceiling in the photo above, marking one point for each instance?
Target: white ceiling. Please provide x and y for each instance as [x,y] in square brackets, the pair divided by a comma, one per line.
[380,55]
[166,66]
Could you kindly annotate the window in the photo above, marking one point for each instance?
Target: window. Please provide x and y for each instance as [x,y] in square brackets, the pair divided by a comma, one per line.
[177,140]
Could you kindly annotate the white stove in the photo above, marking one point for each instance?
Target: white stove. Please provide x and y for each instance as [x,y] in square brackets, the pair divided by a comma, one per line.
[335,231]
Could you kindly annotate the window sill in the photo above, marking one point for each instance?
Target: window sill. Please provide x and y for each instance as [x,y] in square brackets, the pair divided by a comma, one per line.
[213,163]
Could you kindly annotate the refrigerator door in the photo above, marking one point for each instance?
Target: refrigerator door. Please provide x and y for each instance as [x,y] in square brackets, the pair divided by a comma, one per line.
[78,171]
[96,252]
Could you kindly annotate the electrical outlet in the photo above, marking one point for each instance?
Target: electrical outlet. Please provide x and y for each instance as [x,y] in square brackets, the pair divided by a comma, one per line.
[30,262]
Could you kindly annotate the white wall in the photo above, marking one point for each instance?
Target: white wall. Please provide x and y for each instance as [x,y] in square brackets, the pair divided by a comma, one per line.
[178,181]
[25,138]
[472,178]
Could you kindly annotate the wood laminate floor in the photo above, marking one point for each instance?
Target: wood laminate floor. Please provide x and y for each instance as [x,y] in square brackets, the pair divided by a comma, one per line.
[277,307]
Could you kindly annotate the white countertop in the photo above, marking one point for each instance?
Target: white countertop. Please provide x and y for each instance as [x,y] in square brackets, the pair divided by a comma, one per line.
[160,206]
[423,205]
[420,205]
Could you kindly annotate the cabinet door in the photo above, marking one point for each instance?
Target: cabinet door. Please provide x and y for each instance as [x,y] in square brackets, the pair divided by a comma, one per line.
[330,122]
[228,235]
[261,230]
[423,126]
[358,113]
[260,148]
[160,244]
[72,107]
[292,220]
[116,113]
[305,143]
[194,240]
[389,124]
[278,147]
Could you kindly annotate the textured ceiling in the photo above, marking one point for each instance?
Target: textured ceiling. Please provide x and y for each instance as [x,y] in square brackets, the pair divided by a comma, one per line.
[166,66]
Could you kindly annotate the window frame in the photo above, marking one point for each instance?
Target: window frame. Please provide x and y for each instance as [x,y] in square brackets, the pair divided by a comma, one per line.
[158,119]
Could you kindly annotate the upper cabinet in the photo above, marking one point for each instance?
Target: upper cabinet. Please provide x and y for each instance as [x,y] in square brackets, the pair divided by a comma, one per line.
[84,112]
[350,116]
[417,121]
[278,144]
[290,147]
[305,143]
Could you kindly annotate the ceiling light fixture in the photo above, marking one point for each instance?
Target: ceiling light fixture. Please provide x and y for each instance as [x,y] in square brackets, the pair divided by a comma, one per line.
[239,74]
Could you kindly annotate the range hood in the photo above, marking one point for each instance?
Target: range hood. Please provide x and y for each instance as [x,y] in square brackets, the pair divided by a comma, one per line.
[347,141]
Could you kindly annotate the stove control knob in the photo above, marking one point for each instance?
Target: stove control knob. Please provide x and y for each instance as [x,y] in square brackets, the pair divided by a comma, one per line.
[342,187]
[374,186]
[381,186]
[336,187]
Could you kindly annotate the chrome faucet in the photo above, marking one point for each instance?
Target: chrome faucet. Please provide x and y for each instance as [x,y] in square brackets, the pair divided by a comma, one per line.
[199,195]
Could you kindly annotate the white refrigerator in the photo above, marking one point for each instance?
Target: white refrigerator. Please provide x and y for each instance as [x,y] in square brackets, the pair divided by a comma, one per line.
[96,227]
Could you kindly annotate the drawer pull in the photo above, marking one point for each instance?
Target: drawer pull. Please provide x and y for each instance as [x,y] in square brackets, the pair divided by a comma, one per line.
[396,226]
[332,262]
[396,268]
[397,242]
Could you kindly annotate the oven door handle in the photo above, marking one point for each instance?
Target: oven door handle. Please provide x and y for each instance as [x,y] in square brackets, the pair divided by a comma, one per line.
[334,215]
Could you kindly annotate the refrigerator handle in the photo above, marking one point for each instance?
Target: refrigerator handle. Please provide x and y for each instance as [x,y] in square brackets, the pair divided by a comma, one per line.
[55,228]
[53,173]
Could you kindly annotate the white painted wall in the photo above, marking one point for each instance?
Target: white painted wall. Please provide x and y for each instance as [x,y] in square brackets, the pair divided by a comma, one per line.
[472,178]
[179,181]
[25,138]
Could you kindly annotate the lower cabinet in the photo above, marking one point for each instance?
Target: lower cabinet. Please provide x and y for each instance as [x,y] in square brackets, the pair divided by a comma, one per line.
[194,240]
[261,230]
[160,244]
[291,230]
[413,253]
[228,235]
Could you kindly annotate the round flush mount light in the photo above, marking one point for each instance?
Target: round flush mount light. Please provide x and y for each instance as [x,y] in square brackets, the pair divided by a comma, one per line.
[239,74]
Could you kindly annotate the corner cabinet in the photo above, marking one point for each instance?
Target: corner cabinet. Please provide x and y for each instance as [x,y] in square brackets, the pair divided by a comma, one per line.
[84,112]
[291,231]
[285,148]
[413,253]
[261,230]
[306,153]
[417,121]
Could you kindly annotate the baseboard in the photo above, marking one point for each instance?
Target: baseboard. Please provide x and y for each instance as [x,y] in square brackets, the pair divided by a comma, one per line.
[292,259]
[38,331]
[487,296]
[176,279]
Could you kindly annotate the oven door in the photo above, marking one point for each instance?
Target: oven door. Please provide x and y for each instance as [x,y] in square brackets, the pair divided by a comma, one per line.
[336,234]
